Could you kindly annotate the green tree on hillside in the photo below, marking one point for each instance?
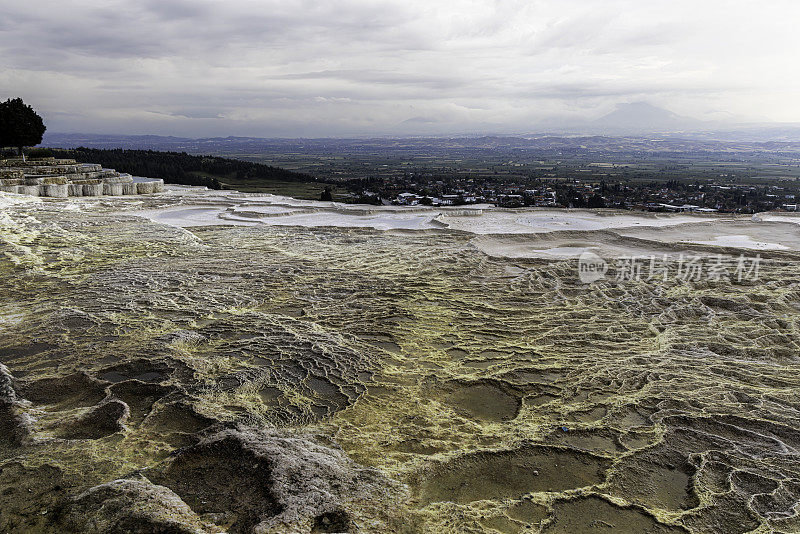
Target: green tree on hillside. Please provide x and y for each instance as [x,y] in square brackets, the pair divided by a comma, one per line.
[20,125]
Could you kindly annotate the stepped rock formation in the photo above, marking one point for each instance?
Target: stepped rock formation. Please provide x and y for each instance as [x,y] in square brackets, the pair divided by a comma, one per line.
[199,362]
[61,178]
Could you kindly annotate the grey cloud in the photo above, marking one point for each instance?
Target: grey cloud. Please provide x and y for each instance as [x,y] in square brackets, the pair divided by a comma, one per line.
[177,9]
[193,114]
[380,77]
[254,67]
[572,33]
[420,120]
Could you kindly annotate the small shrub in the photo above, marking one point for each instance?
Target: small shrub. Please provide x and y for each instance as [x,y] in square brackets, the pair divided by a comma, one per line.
[39,153]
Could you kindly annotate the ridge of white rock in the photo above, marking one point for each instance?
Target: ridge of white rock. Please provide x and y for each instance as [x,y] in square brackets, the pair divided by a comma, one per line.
[61,178]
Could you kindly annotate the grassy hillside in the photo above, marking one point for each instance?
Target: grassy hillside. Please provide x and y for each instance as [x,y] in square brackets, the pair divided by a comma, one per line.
[210,171]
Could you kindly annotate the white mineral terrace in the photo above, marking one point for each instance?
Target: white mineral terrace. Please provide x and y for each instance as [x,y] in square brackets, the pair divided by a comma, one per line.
[518,233]
[528,232]
[61,178]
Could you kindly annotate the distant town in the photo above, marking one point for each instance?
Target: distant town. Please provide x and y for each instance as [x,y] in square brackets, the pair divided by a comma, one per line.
[669,196]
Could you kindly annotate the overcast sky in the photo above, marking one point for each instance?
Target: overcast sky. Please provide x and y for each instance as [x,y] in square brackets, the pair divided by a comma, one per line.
[316,68]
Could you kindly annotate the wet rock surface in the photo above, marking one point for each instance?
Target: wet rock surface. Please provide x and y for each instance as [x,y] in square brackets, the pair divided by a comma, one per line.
[102,420]
[71,391]
[31,496]
[484,400]
[596,515]
[343,380]
[512,473]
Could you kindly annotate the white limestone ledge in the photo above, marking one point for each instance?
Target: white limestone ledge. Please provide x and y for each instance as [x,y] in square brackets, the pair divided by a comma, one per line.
[61,178]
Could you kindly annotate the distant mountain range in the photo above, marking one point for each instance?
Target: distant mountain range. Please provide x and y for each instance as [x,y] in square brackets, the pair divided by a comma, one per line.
[635,119]
[641,116]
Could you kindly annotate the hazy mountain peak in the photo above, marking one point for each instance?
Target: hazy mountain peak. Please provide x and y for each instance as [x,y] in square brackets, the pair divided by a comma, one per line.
[643,116]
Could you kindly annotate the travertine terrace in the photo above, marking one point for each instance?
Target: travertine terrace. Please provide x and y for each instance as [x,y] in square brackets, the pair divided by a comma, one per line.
[264,365]
[61,178]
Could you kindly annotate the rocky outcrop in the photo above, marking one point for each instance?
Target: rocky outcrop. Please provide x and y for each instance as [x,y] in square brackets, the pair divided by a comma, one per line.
[124,506]
[254,480]
[7,392]
[14,423]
